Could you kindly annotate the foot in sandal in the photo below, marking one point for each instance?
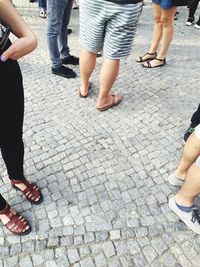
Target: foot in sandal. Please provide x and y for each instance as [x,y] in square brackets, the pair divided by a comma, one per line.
[145,57]
[114,100]
[31,191]
[14,222]
[157,62]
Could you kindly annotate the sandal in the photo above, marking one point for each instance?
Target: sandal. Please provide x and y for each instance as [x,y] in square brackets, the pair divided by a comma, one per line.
[150,66]
[116,99]
[17,224]
[31,192]
[84,96]
[152,56]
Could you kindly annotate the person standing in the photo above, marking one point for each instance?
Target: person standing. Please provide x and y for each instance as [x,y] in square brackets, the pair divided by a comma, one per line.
[106,26]
[58,17]
[12,113]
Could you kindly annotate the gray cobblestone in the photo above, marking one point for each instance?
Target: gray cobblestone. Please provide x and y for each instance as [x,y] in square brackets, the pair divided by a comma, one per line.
[104,175]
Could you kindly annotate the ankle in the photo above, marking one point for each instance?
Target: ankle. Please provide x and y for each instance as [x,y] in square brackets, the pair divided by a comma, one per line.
[183,200]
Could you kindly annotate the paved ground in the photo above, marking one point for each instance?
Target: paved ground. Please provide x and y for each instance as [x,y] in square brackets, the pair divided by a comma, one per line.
[103,175]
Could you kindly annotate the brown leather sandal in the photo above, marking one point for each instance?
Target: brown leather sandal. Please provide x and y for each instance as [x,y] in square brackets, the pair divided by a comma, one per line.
[17,224]
[150,57]
[32,192]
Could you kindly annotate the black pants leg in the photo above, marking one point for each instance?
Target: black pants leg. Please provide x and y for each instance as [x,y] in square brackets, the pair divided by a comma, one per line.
[193,8]
[11,119]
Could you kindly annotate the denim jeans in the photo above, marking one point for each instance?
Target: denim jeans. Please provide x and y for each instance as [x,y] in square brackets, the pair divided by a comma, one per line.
[42,4]
[58,16]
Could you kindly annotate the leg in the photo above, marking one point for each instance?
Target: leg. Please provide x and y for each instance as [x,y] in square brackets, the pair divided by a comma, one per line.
[183,202]
[63,36]
[11,143]
[87,65]
[156,37]
[55,11]
[167,18]
[190,188]
[108,75]
[190,153]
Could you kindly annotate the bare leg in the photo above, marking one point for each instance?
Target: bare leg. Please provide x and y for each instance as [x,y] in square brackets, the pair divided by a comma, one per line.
[167,21]
[190,188]
[167,18]
[190,153]
[158,29]
[108,75]
[87,65]
[157,32]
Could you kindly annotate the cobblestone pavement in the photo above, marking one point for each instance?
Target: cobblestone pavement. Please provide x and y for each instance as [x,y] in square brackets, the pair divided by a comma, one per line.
[103,175]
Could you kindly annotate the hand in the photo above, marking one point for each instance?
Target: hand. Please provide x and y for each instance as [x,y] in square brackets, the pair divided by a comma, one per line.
[20,48]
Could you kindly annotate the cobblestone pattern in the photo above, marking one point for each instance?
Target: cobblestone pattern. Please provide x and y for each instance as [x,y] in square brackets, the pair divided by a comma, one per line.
[103,175]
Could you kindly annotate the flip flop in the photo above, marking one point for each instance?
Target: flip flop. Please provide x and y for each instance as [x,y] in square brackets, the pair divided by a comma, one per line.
[114,102]
[84,96]
[150,66]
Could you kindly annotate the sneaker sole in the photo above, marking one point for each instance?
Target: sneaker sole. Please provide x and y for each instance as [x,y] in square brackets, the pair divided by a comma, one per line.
[62,75]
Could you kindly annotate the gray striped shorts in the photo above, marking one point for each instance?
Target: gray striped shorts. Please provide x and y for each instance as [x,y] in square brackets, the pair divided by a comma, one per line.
[108,26]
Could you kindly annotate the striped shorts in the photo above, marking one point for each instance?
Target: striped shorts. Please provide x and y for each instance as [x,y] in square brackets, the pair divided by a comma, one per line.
[108,27]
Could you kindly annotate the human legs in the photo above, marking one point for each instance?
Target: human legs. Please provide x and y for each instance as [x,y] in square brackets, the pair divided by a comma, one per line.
[191,151]
[156,36]
[11,143]
[183,202]
[167,22]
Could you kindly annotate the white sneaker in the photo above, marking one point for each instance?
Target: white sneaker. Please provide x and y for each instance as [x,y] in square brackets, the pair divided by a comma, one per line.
[191,219]
[197,26]
[190,21]
[173,180]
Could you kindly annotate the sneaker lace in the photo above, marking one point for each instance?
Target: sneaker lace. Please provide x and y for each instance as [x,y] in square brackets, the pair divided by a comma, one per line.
[195,215]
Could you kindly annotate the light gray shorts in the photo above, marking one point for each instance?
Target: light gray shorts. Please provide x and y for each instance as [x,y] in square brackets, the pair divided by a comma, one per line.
[108,26]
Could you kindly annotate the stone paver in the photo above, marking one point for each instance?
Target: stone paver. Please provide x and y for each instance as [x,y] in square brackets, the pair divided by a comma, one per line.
[103,175]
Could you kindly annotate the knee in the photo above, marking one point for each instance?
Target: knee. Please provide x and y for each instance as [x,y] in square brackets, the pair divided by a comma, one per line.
[166,22]
[157,19]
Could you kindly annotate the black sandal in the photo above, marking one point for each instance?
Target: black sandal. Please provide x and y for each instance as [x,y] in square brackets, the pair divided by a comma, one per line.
[150,66]
[153,56]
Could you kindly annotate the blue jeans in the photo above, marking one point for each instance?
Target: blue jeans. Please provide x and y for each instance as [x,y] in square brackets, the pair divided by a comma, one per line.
[42,4]
[58,16]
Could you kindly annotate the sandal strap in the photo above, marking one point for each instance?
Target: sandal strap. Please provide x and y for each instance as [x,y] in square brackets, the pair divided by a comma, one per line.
[162,60]
[31,192]
[151,54]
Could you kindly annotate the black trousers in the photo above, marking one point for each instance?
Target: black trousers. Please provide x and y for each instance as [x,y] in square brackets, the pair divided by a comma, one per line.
[11,119]
[195,120]
[193,8]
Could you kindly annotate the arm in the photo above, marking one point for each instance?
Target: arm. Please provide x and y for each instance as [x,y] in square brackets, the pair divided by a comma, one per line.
[26,41]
